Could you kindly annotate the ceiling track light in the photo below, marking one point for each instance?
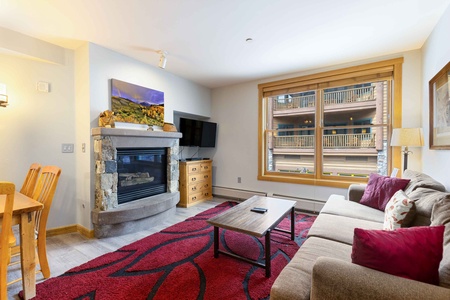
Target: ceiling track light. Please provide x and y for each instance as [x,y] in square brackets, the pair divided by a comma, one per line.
[162,59]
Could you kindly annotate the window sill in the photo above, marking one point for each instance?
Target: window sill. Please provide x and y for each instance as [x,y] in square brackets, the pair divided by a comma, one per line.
[337,182]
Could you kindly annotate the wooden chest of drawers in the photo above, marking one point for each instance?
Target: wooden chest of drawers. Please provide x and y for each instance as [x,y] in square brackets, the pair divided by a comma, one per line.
[195,182]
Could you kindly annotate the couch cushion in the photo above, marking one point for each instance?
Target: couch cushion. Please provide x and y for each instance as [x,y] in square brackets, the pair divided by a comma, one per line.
[336,279]
[421,180]
[424,199]
[336,205]
[294,281]
[399,212]
[356,191]
[339,228]
[413,253]
[380,189]
[441,216]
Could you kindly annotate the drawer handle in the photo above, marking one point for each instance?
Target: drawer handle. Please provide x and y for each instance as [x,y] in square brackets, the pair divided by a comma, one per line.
[194,169]
[194,188]
[194,198]
[194,179]
[206,185]
[206,176]
[206,168]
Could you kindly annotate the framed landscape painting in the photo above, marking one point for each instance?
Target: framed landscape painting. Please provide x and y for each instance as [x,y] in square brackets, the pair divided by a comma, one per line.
[136,104]
[440,109]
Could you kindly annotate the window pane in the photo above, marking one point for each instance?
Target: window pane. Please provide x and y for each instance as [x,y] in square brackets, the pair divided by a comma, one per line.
[352,146]
[290,133]
[354,154]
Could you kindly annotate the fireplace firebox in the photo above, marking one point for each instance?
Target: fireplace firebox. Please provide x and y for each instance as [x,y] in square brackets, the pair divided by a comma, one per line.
[142,172]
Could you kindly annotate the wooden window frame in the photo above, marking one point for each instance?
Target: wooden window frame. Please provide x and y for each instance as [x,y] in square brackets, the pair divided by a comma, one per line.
[391,69]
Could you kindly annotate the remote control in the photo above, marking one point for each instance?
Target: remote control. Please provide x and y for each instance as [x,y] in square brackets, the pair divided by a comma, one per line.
[260,210]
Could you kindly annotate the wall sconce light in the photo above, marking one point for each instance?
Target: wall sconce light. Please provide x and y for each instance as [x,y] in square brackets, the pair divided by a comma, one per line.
[3,95]
[162,59]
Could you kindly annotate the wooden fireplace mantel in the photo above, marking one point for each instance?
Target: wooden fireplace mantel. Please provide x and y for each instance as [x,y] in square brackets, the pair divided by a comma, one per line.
[103,131]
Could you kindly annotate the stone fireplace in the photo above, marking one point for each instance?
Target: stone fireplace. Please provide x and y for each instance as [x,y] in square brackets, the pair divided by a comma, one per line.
[136,169]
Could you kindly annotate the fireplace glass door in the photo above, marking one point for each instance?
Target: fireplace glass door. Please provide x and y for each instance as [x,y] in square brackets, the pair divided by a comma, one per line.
[142,172]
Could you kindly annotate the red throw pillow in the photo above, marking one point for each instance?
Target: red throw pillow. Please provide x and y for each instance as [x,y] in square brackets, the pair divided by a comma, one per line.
[380,189]
[413,252]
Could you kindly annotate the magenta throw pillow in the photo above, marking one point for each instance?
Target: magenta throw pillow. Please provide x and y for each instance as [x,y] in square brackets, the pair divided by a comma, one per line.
[413,253]
[380,189]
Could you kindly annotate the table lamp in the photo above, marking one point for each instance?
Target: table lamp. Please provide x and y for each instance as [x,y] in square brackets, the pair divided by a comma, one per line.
[407,137]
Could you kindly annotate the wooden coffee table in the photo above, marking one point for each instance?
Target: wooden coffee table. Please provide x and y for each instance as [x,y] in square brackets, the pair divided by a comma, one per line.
[241,219]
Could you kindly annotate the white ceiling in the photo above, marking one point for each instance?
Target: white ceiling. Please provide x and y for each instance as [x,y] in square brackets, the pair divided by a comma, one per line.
[205,39]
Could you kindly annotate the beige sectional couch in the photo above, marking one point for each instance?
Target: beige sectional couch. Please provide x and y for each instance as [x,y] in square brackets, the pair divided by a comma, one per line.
[323,268]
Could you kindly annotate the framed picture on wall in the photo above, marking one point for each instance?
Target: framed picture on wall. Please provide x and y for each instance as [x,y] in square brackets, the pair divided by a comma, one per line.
[439,87]
[136,104]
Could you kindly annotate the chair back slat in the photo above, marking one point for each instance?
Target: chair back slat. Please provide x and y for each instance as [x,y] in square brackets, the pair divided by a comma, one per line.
[30,180]
[6,188]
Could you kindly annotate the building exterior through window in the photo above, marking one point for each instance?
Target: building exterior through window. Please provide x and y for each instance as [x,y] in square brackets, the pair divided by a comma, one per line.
[351,145]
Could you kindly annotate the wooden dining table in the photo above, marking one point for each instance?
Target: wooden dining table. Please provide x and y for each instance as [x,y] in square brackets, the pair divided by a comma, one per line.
[23,215]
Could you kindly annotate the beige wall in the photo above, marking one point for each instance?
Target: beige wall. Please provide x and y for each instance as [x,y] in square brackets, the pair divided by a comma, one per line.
[35,124]
[435,55]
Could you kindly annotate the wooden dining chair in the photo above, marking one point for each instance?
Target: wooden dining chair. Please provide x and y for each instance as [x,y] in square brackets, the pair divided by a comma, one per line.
[44,192]
[6,188]
[27,189]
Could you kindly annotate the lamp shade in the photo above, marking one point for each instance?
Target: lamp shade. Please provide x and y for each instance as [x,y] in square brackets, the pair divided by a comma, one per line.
[409,137]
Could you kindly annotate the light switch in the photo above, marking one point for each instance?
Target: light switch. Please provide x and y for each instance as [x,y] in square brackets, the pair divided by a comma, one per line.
[67,148]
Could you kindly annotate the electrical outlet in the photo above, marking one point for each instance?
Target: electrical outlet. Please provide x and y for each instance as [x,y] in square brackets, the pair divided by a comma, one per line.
[67,148]
[239,179]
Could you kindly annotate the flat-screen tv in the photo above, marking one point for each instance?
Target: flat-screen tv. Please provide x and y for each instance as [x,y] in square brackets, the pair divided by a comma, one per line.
[197,133]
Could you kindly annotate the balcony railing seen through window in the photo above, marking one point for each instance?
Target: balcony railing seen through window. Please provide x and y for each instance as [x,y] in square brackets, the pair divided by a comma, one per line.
[330,141]
[349,96]
[295,102]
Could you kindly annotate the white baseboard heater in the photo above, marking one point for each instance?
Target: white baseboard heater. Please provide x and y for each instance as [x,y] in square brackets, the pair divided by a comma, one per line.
[234,193]
[303,204]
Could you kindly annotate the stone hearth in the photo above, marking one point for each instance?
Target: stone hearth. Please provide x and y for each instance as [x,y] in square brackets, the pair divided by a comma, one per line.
[110,218]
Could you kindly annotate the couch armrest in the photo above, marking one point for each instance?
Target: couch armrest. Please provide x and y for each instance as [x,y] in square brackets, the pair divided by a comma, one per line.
[355,192]
[337,279]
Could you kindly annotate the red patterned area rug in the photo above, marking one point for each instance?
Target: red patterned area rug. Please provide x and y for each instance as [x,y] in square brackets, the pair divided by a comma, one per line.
[178,263]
